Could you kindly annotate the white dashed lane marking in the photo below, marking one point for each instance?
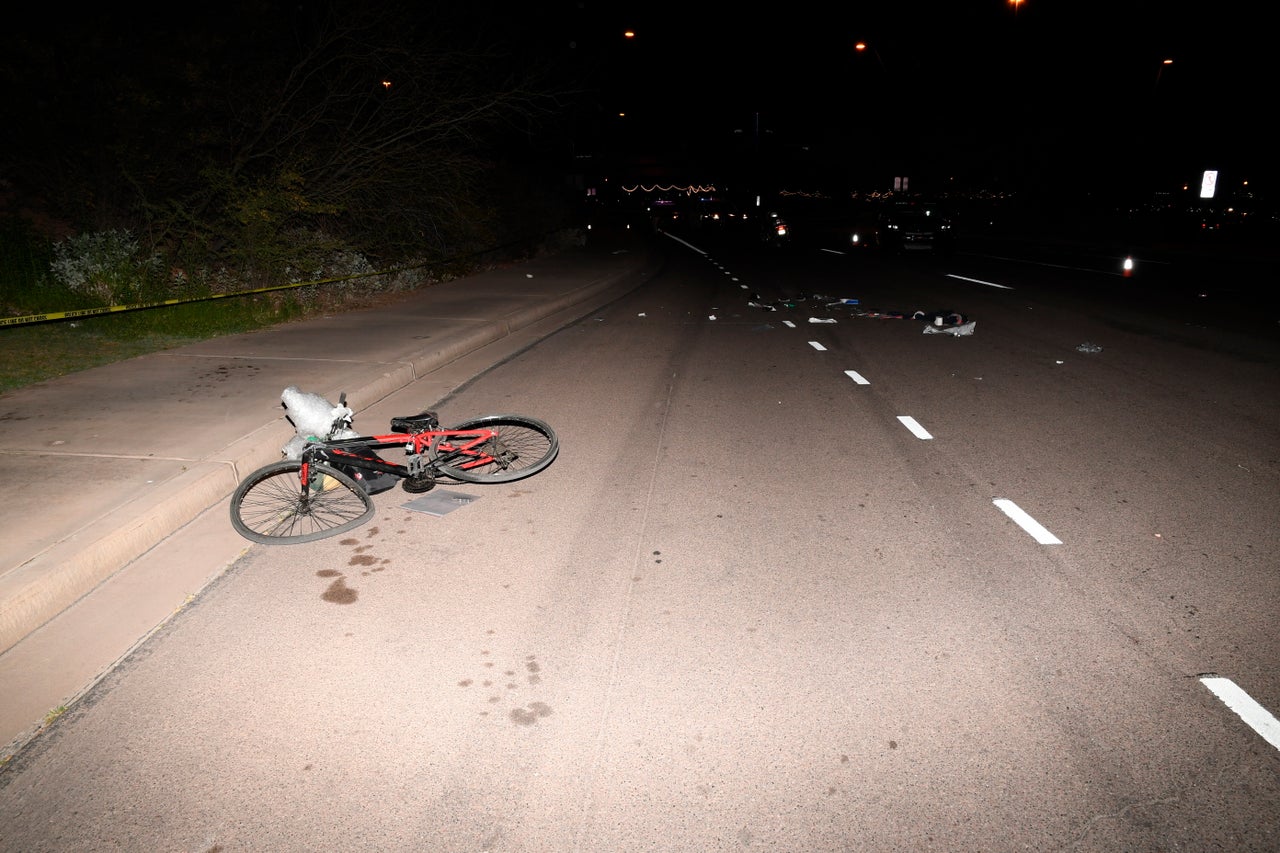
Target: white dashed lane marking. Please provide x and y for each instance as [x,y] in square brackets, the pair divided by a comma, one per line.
[916,430]
[1257,717]
[1026,522]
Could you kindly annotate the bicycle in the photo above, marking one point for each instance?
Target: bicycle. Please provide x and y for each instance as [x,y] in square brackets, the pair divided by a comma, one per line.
[326,491]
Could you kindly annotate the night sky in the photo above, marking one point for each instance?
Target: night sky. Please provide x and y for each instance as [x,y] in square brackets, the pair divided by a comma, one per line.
[1062,93]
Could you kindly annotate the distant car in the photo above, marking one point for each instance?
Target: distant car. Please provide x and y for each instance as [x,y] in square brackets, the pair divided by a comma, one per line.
[915,229]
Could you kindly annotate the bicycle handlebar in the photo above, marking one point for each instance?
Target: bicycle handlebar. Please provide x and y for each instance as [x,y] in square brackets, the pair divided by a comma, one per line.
[343,416]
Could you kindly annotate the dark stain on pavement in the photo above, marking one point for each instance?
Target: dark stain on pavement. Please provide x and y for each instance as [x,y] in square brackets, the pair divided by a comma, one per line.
[530,714]
[339,593]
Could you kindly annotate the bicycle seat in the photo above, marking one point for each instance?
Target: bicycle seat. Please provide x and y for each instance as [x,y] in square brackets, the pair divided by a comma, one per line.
[421,422]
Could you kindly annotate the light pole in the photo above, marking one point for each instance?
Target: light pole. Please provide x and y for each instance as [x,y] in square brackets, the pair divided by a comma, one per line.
[886,97]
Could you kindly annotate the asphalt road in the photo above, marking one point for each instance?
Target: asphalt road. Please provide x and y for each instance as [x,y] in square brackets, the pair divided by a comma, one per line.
[750,606]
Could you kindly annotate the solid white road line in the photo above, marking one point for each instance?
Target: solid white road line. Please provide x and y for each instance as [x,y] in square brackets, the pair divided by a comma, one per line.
[1026,522]
[916,430]
[819,347]
[856,377]
[1259,718]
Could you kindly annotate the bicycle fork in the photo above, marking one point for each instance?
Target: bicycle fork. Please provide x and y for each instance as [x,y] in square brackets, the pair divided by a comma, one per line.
[314,480]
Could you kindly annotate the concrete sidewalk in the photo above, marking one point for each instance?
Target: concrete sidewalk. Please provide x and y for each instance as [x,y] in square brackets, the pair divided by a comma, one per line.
[106,464]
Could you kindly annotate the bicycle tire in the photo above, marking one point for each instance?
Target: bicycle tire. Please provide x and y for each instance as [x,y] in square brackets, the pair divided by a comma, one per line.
[525,446]
[267,506]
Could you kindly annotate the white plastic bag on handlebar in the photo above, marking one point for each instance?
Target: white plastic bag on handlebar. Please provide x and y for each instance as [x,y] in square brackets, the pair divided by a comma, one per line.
[314,418]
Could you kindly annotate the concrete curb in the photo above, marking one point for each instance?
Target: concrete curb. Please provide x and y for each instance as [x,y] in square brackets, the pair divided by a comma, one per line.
[57,577]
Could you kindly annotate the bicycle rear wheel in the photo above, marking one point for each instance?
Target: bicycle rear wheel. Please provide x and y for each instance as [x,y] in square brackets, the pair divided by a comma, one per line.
[522,447]
[268,505]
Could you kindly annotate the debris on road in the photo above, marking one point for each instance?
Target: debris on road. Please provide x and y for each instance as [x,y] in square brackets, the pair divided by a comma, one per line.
[957,331]
[1088,347]
[945,322]
[883,315]
[944,317]
[757,301]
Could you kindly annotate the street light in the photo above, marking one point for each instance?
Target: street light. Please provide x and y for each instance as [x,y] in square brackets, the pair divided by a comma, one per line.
[862,47]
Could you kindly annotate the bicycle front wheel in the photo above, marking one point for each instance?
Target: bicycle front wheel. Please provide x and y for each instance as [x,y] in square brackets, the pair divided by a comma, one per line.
[269,507]
[521,447]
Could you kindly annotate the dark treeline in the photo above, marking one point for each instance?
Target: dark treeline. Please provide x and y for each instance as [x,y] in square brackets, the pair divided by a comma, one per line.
[247,132]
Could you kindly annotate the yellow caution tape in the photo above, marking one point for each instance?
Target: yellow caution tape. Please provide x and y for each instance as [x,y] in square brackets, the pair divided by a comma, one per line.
[112,309]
